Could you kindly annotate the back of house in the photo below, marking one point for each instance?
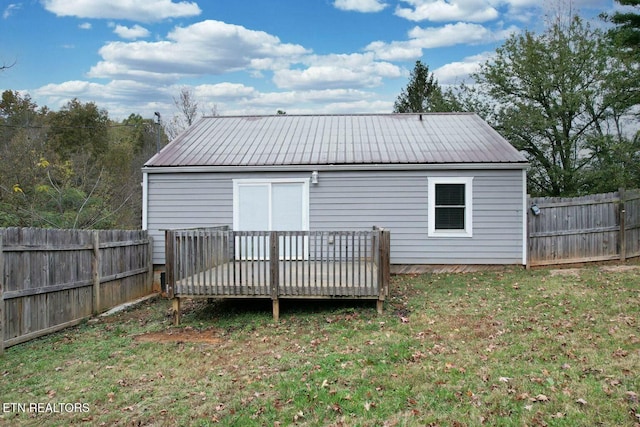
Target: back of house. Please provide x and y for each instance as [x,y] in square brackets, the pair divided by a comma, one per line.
[449,188]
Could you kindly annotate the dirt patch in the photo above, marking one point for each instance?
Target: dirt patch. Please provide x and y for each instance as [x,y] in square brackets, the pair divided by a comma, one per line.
[619,268]
[575,272]
[189,335]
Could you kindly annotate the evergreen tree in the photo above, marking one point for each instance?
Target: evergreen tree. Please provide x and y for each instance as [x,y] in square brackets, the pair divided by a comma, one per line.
[422,94]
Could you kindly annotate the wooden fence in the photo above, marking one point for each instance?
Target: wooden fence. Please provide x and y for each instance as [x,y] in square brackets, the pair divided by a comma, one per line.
[598,227]
[52,279]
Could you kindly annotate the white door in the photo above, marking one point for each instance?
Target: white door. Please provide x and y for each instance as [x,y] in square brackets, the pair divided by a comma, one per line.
[279,205]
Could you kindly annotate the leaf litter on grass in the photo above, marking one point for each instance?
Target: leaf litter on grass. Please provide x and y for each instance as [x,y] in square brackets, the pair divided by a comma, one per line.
[450,349]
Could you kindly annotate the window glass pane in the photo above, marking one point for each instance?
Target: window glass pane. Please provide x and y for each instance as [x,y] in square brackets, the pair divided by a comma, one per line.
[449,218]
[449,194]
[253,204]
[286,206]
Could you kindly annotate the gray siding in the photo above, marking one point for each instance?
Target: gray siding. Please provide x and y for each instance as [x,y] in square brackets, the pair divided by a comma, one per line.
[358,200]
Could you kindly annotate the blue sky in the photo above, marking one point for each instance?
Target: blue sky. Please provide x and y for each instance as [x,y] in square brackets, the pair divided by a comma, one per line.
[252,56]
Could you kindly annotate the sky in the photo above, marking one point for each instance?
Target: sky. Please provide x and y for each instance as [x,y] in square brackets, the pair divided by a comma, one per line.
[241,57]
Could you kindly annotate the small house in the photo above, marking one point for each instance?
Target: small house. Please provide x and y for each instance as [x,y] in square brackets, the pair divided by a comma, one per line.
[447,186]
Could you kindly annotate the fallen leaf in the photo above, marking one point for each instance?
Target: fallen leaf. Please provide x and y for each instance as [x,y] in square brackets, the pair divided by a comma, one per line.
[504,379]
[581,402]
[539,398]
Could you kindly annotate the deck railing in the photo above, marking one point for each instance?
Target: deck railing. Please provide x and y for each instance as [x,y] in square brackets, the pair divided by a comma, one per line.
[219,262]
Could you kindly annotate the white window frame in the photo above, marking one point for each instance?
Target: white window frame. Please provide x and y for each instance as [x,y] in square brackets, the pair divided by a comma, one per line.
[237,183]
[468,207]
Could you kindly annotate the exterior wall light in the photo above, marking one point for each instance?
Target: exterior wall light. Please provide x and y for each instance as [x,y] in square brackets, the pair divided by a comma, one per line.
[535,209]
[314,177]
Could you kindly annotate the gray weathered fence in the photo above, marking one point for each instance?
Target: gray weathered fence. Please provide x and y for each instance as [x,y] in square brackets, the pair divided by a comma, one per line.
[597,227]
[52,279]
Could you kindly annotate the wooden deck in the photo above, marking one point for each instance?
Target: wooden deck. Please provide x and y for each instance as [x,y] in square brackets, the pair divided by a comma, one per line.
[221,263]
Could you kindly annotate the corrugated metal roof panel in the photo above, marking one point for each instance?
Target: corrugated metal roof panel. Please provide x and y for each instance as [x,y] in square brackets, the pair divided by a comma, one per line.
[338,139]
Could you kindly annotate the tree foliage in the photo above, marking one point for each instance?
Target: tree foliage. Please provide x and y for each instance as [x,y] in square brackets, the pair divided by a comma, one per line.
[561,97]
[422,94]
[626,34]
[74,168]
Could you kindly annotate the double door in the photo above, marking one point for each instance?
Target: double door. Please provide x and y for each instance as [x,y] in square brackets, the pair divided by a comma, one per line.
[271,205]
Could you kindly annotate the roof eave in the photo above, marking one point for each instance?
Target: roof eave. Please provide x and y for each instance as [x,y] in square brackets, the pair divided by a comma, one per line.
[339,167]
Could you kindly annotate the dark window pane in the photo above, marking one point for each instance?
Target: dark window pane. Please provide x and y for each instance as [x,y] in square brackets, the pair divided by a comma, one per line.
[449,194]
[449,218]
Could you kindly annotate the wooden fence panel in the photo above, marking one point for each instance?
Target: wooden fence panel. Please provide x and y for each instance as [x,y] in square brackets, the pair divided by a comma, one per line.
[597,227]
[49,278]
[632,223]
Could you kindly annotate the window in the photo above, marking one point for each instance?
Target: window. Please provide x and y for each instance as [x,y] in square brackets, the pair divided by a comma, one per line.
[450,207]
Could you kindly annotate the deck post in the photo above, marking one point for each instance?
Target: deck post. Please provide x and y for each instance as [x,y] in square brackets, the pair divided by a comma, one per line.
[176,311]
[169,262]
[274,264]
[383,256]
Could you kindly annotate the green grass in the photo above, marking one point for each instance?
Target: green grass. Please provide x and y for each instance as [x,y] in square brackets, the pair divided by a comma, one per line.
[508,348]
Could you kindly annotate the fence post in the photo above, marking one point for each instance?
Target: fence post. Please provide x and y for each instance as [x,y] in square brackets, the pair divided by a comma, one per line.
[274,274]
[1,295]
[95,272]
[623,231]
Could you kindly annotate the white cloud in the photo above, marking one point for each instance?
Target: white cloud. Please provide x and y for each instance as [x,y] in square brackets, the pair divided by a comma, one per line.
[132,33]
[337,71]
[459,33]
[447,10]
[223,92]
[10,9]
[395,50]
[132,10]
[207,47]
[458,71]
[436,37]
[365,6]
[85,26]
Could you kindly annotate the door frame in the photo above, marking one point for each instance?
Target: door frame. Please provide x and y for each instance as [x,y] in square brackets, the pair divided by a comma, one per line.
[239,182]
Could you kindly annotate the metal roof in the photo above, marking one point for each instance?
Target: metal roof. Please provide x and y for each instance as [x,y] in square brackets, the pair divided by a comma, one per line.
[357,139]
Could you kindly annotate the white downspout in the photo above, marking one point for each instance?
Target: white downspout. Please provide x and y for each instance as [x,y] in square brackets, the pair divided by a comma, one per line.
[525,225]
[145,200]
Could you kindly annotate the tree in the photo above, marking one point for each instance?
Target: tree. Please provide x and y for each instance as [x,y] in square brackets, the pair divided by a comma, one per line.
[187,104]
[79,128]
[626,34]
[560,97]
[422,94]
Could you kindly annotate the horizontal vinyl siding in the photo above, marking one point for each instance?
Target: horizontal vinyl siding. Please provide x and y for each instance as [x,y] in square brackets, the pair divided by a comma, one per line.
[188,200]
[396,200]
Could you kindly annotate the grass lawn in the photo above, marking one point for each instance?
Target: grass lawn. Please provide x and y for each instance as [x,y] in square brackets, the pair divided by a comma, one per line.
[515,348]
